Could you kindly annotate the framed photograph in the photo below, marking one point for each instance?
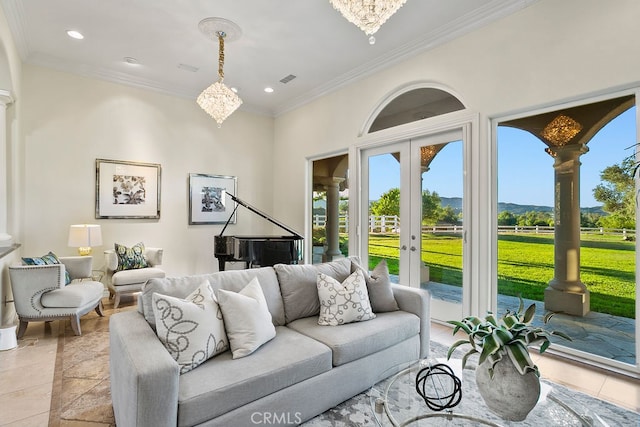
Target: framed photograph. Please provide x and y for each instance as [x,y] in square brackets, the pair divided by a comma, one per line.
[127,189]
[209,202]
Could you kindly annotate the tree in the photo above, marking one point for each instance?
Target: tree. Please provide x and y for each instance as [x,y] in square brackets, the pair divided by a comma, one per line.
[430,207]
[507,218]
[448,215]
[387,204]
[617,195]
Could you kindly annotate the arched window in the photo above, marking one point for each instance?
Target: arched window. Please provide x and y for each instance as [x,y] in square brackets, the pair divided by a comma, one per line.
[413,105]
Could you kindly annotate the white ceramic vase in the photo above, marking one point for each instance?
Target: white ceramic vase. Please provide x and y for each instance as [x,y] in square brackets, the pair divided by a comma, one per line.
[508,394]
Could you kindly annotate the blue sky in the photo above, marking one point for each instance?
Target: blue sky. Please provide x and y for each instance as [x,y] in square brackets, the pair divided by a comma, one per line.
[525,171]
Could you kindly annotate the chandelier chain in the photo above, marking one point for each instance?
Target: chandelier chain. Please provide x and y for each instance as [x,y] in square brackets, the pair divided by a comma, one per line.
[221,55]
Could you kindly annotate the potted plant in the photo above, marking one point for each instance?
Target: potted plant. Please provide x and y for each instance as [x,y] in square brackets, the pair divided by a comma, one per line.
[505,367]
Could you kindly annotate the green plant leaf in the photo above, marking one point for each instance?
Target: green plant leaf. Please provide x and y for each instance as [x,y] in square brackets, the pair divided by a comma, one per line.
[562,335]
[519,355]
[466,357]
[454,346]
[528,315]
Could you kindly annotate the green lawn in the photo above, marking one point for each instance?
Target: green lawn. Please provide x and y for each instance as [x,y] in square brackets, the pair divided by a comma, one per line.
[525,265]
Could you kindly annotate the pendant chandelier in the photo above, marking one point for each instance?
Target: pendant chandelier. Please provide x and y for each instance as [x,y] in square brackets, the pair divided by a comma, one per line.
[368,15]
[218,100]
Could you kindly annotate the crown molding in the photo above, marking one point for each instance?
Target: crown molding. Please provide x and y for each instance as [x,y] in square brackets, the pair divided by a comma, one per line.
[492,11]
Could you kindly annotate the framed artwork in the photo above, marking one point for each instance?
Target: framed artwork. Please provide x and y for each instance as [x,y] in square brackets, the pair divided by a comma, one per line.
[127,189]
[208,199]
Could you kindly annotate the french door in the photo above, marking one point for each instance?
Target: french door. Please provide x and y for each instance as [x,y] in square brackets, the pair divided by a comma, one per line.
[412,215]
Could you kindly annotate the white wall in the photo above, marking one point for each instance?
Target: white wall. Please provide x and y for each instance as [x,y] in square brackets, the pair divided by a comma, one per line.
[549,52]
[10,80]
[70,121]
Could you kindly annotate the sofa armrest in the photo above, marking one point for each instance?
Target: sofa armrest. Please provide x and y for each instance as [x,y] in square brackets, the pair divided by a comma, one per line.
[79,267]
[144,377]
[29,282]
[153,256]
[110,261]
[416,301]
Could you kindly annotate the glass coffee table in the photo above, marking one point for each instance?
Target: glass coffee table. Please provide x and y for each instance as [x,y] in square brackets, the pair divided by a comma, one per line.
[395,402]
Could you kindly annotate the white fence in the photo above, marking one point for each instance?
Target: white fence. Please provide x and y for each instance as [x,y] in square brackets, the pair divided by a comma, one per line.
[391,224]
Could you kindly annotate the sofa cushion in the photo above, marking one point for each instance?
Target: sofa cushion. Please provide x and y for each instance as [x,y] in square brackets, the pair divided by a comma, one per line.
[247,318]
[356,340]
[344,302]
[299,289]
[223,384]
[233,280]
[77,294]
[191,329]
[130,277]
[378,286]
[130,258]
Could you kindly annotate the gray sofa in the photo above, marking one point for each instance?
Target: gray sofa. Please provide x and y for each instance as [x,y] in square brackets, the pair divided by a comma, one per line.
[305,370]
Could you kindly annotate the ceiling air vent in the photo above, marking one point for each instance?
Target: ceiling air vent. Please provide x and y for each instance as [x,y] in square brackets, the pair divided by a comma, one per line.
[188,67]
[287,79]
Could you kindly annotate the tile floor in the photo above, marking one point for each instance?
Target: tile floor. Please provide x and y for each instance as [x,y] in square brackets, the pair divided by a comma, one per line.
[27,377]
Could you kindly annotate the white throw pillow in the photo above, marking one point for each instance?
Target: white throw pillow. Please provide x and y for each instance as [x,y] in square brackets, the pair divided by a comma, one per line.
[344,302]
[247,318]
[191,329]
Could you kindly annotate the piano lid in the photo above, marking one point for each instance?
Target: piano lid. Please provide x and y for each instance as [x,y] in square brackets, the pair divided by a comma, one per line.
[259,212]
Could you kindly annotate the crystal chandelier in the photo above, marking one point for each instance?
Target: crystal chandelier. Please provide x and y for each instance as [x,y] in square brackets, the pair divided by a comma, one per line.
[561,130]
[218,100]
[368,15]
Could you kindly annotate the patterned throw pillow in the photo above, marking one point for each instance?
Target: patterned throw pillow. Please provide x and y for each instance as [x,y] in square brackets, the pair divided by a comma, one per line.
[344,302]
[247,319]
[130,258]
[47,259]
[191,329]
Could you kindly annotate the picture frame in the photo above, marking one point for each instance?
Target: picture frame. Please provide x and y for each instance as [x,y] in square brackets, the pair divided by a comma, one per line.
[208,199]
[126,189]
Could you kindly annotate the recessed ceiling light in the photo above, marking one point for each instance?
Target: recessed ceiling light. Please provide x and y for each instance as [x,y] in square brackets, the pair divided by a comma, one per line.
[75,34]
[268,89]
[130,60]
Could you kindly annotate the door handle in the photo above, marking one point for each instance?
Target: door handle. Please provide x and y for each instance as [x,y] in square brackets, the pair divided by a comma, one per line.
[403,247]
[413,248]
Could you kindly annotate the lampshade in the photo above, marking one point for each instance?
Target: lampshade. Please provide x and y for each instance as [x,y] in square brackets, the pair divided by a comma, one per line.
[218,100]
[84,236]
[368,15]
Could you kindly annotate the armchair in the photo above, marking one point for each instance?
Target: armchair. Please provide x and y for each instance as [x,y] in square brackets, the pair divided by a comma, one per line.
[121,282]
[40,293]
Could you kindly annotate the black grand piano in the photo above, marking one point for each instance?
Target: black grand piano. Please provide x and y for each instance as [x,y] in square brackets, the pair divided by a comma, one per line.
[257,251]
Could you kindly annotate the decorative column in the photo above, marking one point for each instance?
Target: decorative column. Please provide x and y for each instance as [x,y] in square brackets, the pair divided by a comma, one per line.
[566,293]
[5,100]
[332,224]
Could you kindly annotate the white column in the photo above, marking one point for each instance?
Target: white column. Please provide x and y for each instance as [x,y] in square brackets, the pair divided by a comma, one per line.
[566,293]
[5,100]
[332,225]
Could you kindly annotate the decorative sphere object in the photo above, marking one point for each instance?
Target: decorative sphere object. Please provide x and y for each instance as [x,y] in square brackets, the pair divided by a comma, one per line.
[439,387]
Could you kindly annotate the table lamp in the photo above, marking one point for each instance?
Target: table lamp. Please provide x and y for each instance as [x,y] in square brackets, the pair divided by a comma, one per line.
[84,236]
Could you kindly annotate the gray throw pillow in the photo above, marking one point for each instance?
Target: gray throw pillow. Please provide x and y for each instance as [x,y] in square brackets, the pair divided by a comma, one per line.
[379,287]
[299,289]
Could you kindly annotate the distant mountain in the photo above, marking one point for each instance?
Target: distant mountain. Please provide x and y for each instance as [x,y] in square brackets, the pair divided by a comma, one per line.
[456,203]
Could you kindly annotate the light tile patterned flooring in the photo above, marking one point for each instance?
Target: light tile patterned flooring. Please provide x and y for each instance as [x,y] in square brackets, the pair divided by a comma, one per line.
[27,376]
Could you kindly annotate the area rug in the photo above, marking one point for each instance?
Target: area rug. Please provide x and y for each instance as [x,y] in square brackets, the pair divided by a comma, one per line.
[81,394]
